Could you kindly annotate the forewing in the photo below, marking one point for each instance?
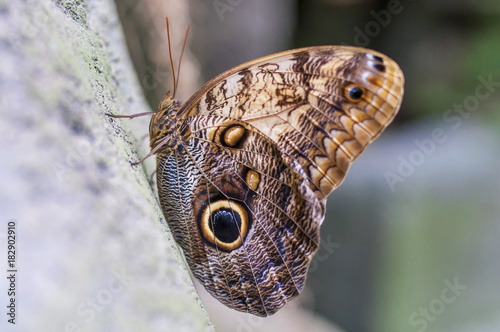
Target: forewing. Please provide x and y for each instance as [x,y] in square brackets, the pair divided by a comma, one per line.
[321,105]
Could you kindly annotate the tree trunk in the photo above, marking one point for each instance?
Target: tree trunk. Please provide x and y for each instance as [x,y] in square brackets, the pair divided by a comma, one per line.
[92,250]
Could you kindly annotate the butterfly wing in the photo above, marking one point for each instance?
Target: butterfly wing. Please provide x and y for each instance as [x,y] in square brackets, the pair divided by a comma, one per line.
[260,148]
[246,221]
[321,105]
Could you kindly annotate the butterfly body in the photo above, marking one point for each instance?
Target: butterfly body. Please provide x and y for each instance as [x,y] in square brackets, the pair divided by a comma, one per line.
[245,165]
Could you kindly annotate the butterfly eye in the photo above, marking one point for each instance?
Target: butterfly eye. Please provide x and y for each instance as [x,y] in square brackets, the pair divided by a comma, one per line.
[225,224]
[353,92]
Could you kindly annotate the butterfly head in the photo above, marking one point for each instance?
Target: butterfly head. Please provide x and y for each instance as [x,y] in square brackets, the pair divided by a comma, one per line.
[164,124]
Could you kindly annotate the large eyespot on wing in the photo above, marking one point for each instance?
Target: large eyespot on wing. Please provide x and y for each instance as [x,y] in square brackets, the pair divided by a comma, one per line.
[224,223]
[253,225]
[321,105]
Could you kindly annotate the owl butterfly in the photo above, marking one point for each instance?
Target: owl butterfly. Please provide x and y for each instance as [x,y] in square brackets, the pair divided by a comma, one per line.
[245,165]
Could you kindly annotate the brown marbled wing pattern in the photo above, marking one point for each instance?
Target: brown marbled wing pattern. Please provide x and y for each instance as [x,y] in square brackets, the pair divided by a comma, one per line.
[289,121]
[297,98]
[270,267]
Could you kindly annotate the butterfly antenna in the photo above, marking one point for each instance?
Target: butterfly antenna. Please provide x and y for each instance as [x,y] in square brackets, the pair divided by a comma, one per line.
[180,59]
[170,54]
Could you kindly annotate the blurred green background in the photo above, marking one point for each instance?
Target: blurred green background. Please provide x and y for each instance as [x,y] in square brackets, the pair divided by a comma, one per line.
[411,239]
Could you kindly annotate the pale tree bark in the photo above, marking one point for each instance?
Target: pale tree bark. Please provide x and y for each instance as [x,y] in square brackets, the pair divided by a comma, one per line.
[93,252]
